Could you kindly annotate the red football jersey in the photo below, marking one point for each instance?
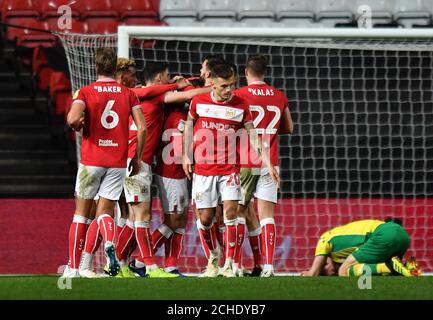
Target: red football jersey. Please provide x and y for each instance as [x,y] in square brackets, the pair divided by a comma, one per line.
[169,162]
[105,132]
[216,131]
[153,110]
[267,105]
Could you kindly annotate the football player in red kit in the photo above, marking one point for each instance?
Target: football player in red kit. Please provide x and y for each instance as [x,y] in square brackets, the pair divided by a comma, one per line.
[102,109]
[269,108]
[218,116]
[138,188]
[173,188]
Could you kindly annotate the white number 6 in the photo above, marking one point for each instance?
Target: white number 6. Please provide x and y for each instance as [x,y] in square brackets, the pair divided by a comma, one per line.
[107,113]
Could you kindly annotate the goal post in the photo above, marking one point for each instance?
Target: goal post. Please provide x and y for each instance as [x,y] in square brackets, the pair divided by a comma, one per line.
[125,33]
[362,105]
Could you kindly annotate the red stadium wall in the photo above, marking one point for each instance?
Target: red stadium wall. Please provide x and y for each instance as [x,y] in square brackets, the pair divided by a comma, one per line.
[33,232]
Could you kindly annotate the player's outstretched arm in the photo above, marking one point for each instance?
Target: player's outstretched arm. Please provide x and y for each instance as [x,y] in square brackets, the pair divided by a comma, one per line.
[75,118]
[257,144]
[140,122]
[317,266]
[154,91]
[184,96]
[286,124]
[187,147]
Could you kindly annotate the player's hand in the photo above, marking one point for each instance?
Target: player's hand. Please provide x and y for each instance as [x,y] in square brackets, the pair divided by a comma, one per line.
[187,167]
[182,83]
[274,175]
[188,170]
[134,166]
[176,79]
[305,273]
[79,125]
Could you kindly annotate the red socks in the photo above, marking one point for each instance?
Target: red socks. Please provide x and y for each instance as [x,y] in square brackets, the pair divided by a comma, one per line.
[239,240]
[173,248]
[106,227]
[144,242]
[256,246]
[268,240]
[160,236]
[231,230]
[77,238]
[125,241]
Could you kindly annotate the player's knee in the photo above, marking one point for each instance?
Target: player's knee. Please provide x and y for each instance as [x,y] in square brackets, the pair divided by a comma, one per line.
[172,222]
[143,216]
[230,212]
[206,220]
[230,215]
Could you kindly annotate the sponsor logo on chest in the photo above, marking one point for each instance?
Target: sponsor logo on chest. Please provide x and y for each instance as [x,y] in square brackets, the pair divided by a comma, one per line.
[107,143]
[216,125]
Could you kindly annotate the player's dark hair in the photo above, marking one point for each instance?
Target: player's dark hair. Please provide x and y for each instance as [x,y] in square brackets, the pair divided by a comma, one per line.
[152,69]
[105,61]
[257,65]
[395,220]
[224,71]
[213,60]
[235,68]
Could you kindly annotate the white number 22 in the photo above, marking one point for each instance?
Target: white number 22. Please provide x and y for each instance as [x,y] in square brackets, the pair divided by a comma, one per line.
[109,113]
[261,114]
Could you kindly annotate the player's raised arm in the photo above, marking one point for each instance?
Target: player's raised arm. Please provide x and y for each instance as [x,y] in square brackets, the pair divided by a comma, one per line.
[184,96]
[159,89]
[155,90]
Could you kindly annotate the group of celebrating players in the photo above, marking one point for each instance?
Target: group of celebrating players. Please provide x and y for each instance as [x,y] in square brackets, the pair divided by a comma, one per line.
[225,140]
[199,129]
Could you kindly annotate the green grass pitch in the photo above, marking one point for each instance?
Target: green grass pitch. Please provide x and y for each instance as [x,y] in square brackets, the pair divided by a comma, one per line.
[277,288]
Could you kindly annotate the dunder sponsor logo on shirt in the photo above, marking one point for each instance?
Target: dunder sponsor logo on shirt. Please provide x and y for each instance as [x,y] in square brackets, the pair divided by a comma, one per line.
[215,125]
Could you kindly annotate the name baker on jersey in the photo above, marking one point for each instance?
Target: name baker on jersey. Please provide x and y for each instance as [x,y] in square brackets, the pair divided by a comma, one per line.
[112,89]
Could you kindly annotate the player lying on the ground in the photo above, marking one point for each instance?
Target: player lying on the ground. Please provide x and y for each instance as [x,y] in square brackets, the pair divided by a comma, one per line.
[351,249]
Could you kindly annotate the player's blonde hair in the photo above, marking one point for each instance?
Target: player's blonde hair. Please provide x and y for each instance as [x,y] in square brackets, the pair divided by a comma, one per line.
[124,64]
